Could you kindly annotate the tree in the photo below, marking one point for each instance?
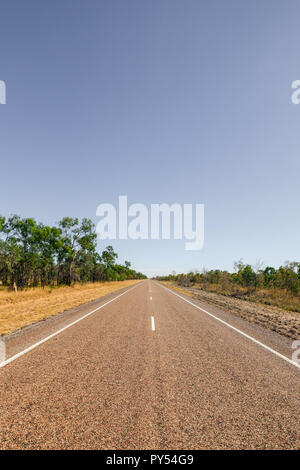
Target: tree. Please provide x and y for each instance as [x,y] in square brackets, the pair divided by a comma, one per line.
[248,276]
[34,254]
[79,243]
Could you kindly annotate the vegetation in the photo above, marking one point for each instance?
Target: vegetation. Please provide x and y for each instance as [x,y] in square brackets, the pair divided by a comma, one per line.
[279,287]
[33,254]
[36,303]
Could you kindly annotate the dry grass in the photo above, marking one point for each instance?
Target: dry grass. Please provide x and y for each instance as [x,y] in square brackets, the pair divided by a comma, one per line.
[183,291]
[283,321]
[29,306]
[272,297]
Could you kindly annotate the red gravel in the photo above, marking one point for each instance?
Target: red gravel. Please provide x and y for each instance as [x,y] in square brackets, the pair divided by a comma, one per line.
[110,382]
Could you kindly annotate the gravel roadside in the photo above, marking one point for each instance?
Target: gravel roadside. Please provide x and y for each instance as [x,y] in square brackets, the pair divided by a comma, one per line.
[275,319]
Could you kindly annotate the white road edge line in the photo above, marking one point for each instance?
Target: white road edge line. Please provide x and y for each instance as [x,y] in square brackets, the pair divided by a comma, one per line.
[236,329]
[152,324]
[35,345]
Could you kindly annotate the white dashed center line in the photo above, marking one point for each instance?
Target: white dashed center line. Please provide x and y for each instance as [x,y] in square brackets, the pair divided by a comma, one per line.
[153,323]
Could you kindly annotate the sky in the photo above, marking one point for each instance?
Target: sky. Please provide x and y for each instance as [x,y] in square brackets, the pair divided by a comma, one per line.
[163,101]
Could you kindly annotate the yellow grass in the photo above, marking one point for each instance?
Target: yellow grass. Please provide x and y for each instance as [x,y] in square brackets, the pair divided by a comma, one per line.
[31,305]
[272,297]
[178,289]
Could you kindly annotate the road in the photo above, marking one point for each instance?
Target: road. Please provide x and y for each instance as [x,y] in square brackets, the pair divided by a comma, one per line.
[151,371]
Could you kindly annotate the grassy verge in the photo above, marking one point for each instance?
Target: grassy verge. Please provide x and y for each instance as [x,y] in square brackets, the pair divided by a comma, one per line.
[31,305]
[272,297]
[283,321]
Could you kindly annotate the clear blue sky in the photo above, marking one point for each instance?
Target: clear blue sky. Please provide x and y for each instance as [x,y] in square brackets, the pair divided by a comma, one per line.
[162,100]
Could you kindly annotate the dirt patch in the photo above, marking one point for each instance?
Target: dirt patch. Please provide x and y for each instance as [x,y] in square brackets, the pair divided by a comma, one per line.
[281,321]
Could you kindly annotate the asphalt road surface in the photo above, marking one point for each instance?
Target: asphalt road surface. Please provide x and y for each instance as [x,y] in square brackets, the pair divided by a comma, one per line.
[151,371]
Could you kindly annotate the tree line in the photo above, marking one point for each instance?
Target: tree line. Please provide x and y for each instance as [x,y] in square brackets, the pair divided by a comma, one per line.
[33,254]
[286,277]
